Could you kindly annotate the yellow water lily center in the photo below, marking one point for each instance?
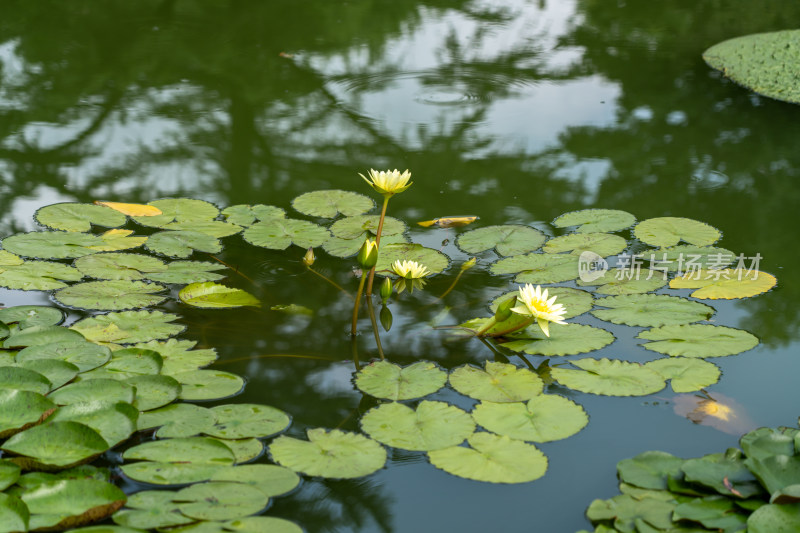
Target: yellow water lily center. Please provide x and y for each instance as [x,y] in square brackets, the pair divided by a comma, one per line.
[388,182]
[534,303]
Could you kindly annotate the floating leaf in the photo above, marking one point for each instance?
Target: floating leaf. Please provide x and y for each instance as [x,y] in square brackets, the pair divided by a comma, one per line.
[434,260]
[698,340]
[625,510]
[332,454]
[14,514]
[109,390]
[596,220]
[117,239]
[355,227]
[172,461]
[669,231]
[214,295]
[651,310]
[179,356]
[685,258]
[245,215]
[220,500]
[133,210]
[197,385]
[767,442]
[71,216]
[119,266]
[538,268]
[84,355]
[57,372]
[9,472]
[761,62]
[279,234]
[774,518]
[544,418]
[499,382]
[154,391]
[245,420]
[182,243]
[725,473]
[151,509]
[564,339]
[9,259]
[12,377]
[188,272]
[432,426]
[602,244]
[493,459]
[178,210]
[111,295]
[128,327]
[725,284]
[178,420]
[610,377]
[575,301]
[212,228]
[20,409]
[387,380]
[31,315]
[40,335]
[329,203]
[510,239]
[114,421]
[686,374]
[37,276]
[617,281]
[272,480]
[448,222]
[56,444]
[348,247]
[650,470]
[71,502]
[259,524]
[52,244]
[244,450]
[775,472]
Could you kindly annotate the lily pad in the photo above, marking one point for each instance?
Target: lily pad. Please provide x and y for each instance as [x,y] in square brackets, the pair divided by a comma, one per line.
[616,281]
[650,470]
[596,220]
[776,472]
[510,239]
[213,295]
[357,226]
[761,62]
[431,426]
[31,315]
[258,524]
[685,258]
[775,518]
[9,473]
[40,335]
[84,355]
[212,228]
[57,372]
[686,374]
[133,210]
[246,215]
[669,231]
[117,239]
[564,339]
[23,379]
[625,510]
[575,301]
[244,450]
[127,363]
[493,459]
[109,390]
[725,473]
[609,377]
[279,234]
[348,247]
[55,445]
[114,421]
[329,203]
[767,442]
[150,509]
[602,244]
[220,500]
[179,356]
[52,244]
[113,295]
[71,502]
[154,391]
[199,385]
[178,420]
[72,216]
[128,327]
[14,515]
[182,243]
[188,272]
[544,418]
[725,284]
[651,310]
[271,480]
[698,340]
[119,266]
[538,268]
[178,210]
[331,454]
[434,260]
[387,380]
[245,420]
[37,276]
[499,382]
[20,409]
[205,453]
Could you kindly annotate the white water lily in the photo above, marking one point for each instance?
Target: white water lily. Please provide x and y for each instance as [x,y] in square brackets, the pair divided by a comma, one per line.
[534,303]
[388,182]
[410,269]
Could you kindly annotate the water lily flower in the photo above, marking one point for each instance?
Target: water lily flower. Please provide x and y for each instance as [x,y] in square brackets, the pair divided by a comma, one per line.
[309,258]
[368,254]
[534,303]
[388,182]
[410,269]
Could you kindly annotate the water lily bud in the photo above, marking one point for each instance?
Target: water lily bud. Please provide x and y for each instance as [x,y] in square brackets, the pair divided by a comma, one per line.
[386,318]
[504,309]
[309,258]
[368,255]
[386,289]
[469,263]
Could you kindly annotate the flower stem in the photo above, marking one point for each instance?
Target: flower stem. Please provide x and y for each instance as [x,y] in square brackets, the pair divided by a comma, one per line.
[487,327]
[452,285]
[378,242]
[371,312]
[329,280]
[357,304]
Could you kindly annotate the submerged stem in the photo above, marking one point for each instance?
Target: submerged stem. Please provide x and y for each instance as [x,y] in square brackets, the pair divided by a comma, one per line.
[378,242]
[217,259]
[371,312]
[356,306]
[329,280]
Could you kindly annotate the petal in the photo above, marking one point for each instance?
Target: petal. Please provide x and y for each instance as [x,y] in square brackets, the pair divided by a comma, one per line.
[545,325]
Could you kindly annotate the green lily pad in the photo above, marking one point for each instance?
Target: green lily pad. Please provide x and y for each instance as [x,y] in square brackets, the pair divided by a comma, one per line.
[114,421]
[544,418]
[698,340]
[564,339]
[115,240]
[651,310]
[31,315]
[434,260]
[510,239]
[776,472]
[499,382]
[244,450]
[650,470]
[212,228]
[213,295]
[686,374]
[19,410]
[431,426]
[119,266]
[55,444]
[712,512]
[188,272]
[625,511]
[52,244]
[538,268]
[37,276]
[610,377]
[279,234]
[197,385]
[258,524]
[150,509]
[109,390]
[775,518]
[9,472]
[41,335]
[246,215]
[71,502]
[14,515]
[616,281]
[128,327]
[669,231]
[23,379]
[725,473]
[725,284]
[173,461]
[241,421]
[127,363]
[357,226]
[78,217]
[383,379]
[154,391]
[178,420]
[57,372]
[330,454]
[348,247]
[179,210]
[329,203]
[687,258]
[767,442]
[761,62]
[575,301]
[9,259]
[492,459]
[219,500]
[182,243]
[179,356]
[271,480]
[84,355]
[596,220]
[111,295]
[603,244]
[106,529]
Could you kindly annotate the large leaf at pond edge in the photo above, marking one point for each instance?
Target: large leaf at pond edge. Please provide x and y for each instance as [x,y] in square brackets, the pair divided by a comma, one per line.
[538,268]
[725,284]
[128,327]
[329,203]
[114,295]
[115,266]
[686,374]
[765,63]
[686,257]
[725,473]
[331,454]
[83,354]
[52,244]
[72,502]
[650,470]
[14,514]
[575,301]
[153,391]
[172,461]
[609,377]
[279,234]
[625,510]
[767,442]
[56,444]
[564,339]
[114,421]
[775,518]
[178,210]
[214,295]
[20,409]
[39,335]
[188,272]
[272,480]
[37,276]
[628,280]
[198,385]
[596,220]
[776,472]
[57,372]
[435,260]
[651,310]
[182,243]
[509,239]
[669,231]
[12,377]
[246,215]
[602,244]
[150,509]
[109,390]
[431,426]
[498,382]
[179,356]
[698,340]
[71,216]
[218,500]
[245,420]
[354,227]
[544,418]
[383,379]
[31,315]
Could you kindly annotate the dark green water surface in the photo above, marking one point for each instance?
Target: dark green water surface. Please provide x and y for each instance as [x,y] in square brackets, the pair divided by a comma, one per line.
[513,111]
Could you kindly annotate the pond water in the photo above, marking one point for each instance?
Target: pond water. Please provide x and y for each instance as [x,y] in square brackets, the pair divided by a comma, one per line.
[515,113]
